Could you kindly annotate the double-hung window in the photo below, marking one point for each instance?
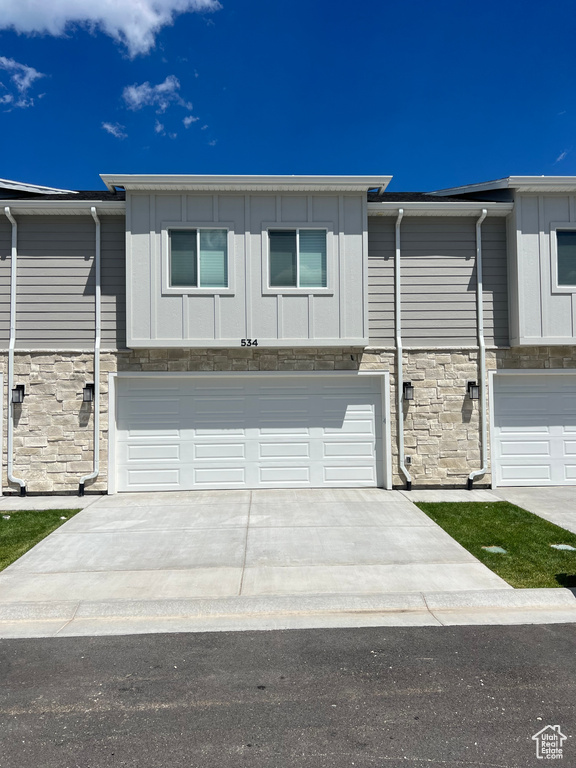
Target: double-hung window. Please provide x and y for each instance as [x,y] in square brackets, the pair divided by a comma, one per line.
[297,258]
[198,258]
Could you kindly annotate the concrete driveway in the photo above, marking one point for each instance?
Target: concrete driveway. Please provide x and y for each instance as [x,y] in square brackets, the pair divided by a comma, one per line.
[219,544]
[556,504]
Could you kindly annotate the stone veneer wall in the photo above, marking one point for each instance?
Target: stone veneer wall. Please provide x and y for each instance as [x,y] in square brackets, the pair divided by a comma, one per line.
[53,429]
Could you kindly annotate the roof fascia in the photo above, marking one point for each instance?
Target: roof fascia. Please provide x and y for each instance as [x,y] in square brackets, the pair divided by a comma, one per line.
[519,183]
[136,183]
[65,207]
[441,208]
[483,186]
[21,186]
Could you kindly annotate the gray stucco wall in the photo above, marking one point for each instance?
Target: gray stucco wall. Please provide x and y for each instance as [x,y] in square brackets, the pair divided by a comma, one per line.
[55,301]
[438,281]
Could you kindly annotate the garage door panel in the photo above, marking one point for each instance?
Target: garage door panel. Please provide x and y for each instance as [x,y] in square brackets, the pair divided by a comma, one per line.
[514,425]
[274,432]
[344,474]
[533,416]
[151,479]
[533,472]
[284,450]
[527,448]
[219,451]
[347,450]
[223,476]
[285,475]
[156,453]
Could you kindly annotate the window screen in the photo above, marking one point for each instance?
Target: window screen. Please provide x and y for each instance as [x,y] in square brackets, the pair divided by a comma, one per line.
[183,258]
[283,271]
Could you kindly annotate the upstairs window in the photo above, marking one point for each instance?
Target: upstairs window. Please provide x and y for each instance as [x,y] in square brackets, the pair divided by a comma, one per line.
[566,254]
[297,258]
[198,258]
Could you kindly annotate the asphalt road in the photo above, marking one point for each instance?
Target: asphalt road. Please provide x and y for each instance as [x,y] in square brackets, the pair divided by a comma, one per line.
[449,697]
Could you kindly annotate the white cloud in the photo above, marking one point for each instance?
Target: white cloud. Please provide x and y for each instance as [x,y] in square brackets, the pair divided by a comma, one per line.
[135,23]
[189,120]
[158,127]
[115,129]
[212,143]
[160,96]
[561,156]
[21,79]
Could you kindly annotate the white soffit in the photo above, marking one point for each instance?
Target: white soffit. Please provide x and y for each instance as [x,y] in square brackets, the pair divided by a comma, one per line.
[538,184]
[441,208]
[21,186]
[186,183]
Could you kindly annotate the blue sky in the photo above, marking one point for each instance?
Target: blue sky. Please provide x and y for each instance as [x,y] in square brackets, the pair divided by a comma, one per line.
[434,93]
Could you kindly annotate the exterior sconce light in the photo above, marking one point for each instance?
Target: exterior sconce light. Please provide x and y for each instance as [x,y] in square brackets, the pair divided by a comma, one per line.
[88,393]
[408,390]
[18,393]
[473,390]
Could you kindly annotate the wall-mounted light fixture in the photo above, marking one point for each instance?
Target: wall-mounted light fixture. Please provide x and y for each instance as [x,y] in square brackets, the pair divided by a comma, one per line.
[88,393]
[18,393]
[473,390]
[408,391]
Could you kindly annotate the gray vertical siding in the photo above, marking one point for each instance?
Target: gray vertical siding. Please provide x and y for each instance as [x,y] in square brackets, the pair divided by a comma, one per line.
[438,281]
[56,282]
[161,315]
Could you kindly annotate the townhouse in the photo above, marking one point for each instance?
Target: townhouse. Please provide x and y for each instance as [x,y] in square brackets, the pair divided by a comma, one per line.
[212,332]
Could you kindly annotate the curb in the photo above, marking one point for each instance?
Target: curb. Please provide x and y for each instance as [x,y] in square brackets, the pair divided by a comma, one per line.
[113,617]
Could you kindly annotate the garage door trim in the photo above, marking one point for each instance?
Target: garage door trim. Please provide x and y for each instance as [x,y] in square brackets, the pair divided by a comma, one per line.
[384,389]
[491,399]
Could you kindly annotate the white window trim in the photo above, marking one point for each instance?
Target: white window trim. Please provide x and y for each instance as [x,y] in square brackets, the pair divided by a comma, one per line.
[554,227]
[328,227]
[180,290]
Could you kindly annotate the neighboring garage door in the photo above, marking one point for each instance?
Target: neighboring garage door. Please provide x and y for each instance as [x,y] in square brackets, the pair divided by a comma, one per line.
[194,432]
[535,429]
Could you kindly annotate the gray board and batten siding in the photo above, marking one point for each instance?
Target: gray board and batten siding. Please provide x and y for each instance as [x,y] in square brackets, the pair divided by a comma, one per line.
[544,312]
[56,285]
[160,316]
[438,273]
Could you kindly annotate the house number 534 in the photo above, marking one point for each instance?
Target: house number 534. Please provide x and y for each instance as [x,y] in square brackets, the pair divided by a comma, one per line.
[248,342]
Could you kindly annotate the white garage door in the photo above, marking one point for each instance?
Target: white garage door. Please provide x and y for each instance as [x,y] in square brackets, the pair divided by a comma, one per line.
[183,433]
[535,429]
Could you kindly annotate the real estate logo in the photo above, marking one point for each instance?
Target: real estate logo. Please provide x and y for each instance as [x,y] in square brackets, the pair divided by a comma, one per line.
[549,743]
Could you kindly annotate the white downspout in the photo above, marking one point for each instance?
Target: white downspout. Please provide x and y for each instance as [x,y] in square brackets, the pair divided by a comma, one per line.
[399,372]
[97,298]
[482,353]
[13,278]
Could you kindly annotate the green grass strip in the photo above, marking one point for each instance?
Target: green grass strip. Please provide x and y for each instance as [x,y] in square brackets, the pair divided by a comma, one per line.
[25,528]
[529,561]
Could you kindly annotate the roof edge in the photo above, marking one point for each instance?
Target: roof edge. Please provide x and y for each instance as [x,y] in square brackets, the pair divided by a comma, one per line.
[22,186]
[138,182]
[519,183]
[441,208]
